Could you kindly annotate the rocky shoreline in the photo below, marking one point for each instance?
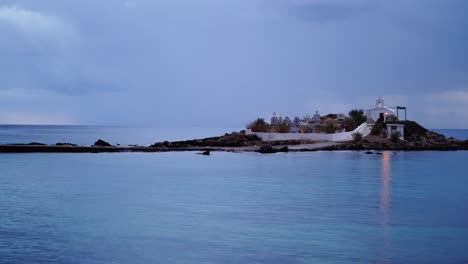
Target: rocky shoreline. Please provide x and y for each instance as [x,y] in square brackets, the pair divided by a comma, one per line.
[417,138]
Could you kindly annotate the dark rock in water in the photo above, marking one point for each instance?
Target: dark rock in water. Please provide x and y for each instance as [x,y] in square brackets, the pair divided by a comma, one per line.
[227,140]
[102,143]
[66,144]
[36,144]
[206,153]
[268,149]
[283,149]
[368,152]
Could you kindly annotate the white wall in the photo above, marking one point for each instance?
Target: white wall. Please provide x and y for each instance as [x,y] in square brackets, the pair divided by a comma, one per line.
[374,114]
[364,129]
[399,128]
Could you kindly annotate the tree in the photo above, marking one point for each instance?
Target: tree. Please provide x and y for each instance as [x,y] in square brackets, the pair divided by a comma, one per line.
[391,119]
[357,115]
[377,129]
[349,124]
[330,126]
[259,125]
[283,127]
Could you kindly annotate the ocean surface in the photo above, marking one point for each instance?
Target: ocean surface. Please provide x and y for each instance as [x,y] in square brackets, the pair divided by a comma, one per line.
[316,207]
[87,135]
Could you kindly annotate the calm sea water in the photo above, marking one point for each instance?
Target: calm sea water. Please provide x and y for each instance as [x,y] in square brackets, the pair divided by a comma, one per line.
[455,133]
[87,135]
[319,207]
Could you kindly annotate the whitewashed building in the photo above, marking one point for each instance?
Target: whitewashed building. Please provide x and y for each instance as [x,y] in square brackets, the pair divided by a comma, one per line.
[392,128]
[379,112]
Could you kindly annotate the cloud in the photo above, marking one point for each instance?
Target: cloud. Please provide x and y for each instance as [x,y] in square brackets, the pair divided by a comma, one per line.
[453,96]
[41,51]
[28,118]
[34,24]
[446,109]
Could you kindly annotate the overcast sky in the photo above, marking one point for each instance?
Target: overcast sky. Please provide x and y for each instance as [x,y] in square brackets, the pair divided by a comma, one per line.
[222,63]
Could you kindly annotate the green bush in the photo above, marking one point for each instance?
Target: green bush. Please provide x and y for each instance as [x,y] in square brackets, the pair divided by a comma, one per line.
[358,116]
[377,129]
[395,136]
[357,136]
[330,125]
[349,124]
[284,128]
[259,125]
[392,119]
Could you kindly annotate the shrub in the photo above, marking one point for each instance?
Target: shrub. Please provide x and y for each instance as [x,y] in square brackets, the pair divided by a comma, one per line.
[357,136]
[259,125]
[305,129]
[283,128]
[330,126]
[349,124]
[377,129]
[395,136]
[391,119]
[358,116]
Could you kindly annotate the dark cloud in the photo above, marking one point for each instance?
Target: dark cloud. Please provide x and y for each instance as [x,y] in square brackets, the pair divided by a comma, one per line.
[215,63]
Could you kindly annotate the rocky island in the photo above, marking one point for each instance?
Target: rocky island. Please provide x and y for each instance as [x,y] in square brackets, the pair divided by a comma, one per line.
[417,138]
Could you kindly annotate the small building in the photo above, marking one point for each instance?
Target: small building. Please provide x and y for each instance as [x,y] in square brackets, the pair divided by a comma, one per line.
[392,128]
[380,112]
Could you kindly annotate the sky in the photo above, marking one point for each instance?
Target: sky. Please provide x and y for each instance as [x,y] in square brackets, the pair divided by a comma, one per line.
[212,63]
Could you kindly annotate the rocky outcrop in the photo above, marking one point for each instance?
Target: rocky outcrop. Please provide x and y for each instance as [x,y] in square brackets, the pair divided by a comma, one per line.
[268,149]
[416,138]
[383,143]
[36,144]
[235,139]
[66,144]
[102,143]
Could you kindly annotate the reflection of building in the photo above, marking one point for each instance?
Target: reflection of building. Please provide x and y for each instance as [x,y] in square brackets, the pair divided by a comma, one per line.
[380,112]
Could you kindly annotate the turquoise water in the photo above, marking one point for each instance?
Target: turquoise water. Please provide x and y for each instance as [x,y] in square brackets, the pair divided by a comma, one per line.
[319,207]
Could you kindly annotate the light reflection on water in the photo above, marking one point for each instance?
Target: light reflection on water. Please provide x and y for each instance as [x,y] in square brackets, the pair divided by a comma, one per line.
[385,203]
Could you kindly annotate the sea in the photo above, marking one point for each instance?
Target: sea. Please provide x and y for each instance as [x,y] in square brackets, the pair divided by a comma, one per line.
[179,207]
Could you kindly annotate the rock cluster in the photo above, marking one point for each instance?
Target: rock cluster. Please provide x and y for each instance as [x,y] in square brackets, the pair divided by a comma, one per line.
[432,141]
[416,138]
[102,143]
[268,149]
[234,139]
